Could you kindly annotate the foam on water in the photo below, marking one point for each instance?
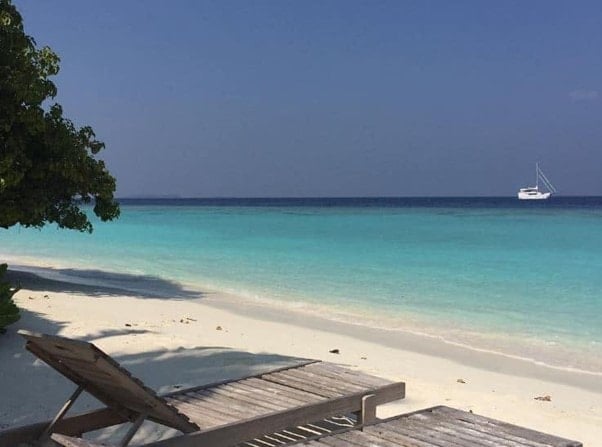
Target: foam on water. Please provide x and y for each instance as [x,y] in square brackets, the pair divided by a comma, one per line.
[494,274]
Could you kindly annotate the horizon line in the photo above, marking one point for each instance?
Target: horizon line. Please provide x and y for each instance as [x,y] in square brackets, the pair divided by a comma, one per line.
[175,197]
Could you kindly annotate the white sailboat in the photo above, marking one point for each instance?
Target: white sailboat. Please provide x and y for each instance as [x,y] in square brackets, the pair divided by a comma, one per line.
[533,192]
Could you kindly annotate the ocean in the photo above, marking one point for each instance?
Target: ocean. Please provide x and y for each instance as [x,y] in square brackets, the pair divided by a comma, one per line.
[523,279]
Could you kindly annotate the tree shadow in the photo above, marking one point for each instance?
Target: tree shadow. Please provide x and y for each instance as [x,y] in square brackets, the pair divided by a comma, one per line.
[26,385]
[97,283]
[32,391]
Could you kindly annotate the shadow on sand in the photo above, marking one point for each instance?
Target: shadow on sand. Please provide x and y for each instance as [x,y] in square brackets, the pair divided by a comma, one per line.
[32,391]
[97,282]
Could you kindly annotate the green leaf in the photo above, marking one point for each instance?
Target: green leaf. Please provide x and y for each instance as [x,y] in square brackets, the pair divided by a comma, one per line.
[9,312]
[48,166]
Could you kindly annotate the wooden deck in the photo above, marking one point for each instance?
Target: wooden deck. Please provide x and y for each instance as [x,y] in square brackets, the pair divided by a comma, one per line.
[434,427]
[214,405]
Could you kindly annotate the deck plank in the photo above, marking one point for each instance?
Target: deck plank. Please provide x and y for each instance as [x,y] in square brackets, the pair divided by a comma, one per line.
[304,385]
[473,432]
[363,381]
[363,439]
[488,424]
[335,384]
[249,400]
[362,378]
[435,437]
[295,393]
[199,416]
[265,388]
[263,397]
[240,406]
[212,404]
[266,393]
[195,408]
[334,441]
[405,439]
[451,436]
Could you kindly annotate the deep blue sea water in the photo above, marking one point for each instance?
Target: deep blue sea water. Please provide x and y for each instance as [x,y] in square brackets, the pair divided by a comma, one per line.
[522,278]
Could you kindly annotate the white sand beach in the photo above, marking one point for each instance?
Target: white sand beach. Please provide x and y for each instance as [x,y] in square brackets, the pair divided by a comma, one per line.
[189,341]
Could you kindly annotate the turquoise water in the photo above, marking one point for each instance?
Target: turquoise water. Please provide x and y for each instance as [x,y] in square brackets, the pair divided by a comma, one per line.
[521,280]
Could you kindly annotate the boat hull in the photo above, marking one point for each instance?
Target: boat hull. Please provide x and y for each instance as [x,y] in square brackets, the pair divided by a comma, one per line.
[534,196]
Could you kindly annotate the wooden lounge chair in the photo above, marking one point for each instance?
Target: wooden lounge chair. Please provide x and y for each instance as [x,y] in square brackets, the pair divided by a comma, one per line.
[220,413]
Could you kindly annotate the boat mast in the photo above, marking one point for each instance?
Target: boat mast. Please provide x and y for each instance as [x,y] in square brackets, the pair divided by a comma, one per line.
[537,176]
[546,182]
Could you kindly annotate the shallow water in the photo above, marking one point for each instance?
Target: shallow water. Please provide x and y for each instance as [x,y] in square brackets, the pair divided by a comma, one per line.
[520,278]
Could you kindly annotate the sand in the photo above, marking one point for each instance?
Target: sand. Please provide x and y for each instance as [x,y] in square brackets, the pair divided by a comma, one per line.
[203,337]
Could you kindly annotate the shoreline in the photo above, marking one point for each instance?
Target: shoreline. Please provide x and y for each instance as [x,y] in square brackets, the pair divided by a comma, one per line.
[430,345]
[311,317]
[166,343]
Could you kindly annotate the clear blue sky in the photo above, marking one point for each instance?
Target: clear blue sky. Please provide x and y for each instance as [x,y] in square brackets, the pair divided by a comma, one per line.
[333,98]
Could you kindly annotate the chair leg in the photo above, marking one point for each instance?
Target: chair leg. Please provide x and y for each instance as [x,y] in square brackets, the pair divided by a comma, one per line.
[368,413]
[133,429]
[62,412]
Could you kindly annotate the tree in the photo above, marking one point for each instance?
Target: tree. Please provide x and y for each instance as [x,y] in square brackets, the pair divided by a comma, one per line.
[48,168]
[9,312]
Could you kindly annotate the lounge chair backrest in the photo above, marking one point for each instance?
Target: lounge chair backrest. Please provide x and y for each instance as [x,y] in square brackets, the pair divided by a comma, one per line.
[101,376]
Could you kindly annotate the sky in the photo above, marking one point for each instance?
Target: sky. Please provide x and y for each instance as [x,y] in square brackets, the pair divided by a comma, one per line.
[332,98]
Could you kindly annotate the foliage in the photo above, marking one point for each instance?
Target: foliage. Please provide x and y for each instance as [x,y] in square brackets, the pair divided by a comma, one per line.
[9,312]
[48,167]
